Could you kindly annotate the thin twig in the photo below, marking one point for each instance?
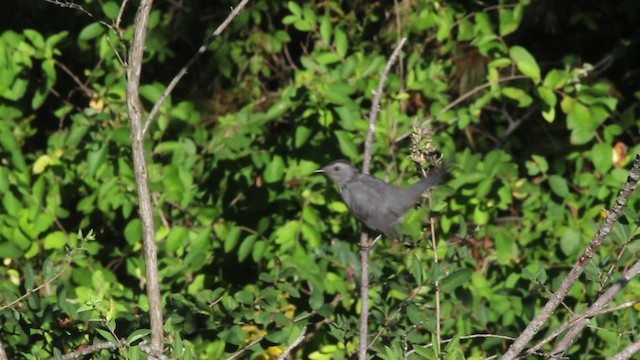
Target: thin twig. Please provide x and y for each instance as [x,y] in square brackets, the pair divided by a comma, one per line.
[37,288]
[90,349]
[297,342]
[375,107]
[116,25]
[465,96]
[70,5]
[183,71]
[587,315]
[247,347]
[436,283]
[364,238]
[603,231]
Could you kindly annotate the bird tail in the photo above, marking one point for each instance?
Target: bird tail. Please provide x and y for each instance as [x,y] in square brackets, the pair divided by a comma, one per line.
[432,179]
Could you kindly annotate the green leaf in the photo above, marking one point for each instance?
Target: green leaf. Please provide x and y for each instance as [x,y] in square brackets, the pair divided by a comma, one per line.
[177,239]
[11,204]
[231,239]
[294,8]
[566,104]
[559,186]
[48,270]
[570,242]
[91,31]
[325,29]
[548,96]
[35,37]
[509,21]
[244,297]
[108,336]
[41,164]
[602,157]
[341,42]
[95,159]
[555,79]
[111,9]
[246,247]
[580,116]
[55,240]
[274,171]
[581,136]
[302,134]
[347,146]
[258,250]
[518,95]
[455,280]
[525,62]
[316,300]
[133,232]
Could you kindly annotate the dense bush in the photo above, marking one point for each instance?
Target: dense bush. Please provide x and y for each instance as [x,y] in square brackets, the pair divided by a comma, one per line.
[531,104]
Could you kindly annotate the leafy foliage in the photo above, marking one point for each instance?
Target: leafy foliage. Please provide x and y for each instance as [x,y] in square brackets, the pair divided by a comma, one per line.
[535,117]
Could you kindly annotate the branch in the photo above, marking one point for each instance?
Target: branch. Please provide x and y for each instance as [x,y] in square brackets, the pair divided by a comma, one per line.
[465,96]
[600,303]
[436,283]
[152,351]
[364,238]
[556,298]
[183,71]
[627,352]
[247,347]
[295,343]
[37,288]
[134,109]
[587,315]
[90,349]
[3,355]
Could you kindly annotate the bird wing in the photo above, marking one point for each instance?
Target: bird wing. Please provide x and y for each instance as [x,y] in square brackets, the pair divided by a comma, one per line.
[367,198]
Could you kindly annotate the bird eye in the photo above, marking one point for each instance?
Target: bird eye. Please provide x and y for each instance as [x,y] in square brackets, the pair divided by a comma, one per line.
[336,168]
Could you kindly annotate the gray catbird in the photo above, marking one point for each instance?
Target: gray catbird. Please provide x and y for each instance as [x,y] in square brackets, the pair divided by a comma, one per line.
[374,202]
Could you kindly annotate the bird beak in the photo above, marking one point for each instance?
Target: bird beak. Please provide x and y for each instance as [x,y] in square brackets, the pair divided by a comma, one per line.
[318,171]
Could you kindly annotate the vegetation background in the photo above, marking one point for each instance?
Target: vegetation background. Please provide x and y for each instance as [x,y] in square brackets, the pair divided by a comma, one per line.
[532,103]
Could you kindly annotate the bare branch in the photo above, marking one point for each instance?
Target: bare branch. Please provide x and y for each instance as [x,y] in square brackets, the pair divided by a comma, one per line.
[297,342]
[465,96]
[70,5]
[587,315]
[183,71]
[134,109]
[597,305]
[247,347]
[90,349]
[364,238]
[603,231]
[3,355]
[37,288]
[153,352]
[375,107]
[627,352]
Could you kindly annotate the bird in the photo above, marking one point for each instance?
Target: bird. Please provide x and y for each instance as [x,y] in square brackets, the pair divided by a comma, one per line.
[376,204]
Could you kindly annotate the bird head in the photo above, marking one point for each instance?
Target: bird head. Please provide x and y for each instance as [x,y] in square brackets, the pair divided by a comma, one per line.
[339,171]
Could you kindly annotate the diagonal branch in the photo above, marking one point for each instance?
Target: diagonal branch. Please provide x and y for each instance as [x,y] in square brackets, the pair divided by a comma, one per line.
[183,71]
[556,298]
[597,305]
